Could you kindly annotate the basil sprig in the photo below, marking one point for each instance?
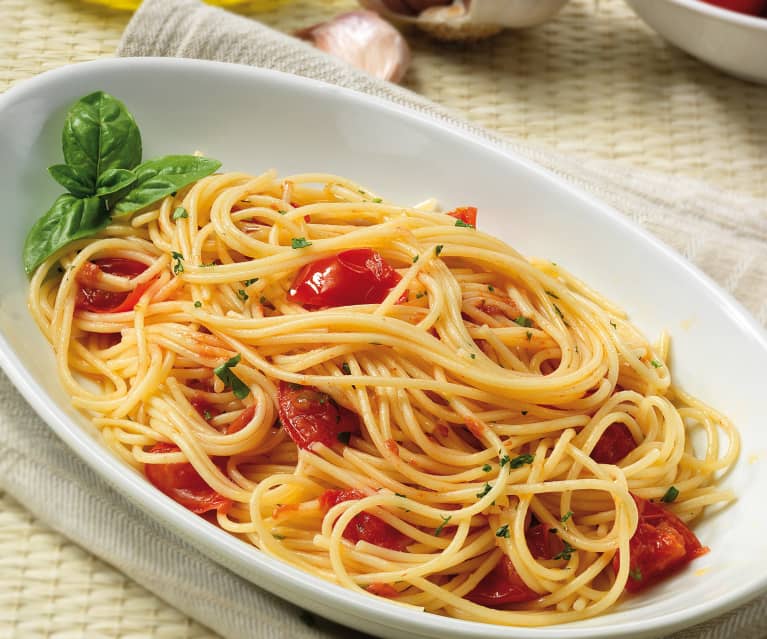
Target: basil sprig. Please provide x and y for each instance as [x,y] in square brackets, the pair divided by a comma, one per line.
[104,176]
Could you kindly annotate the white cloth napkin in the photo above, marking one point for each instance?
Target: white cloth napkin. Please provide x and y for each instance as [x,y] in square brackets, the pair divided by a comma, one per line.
[723,233]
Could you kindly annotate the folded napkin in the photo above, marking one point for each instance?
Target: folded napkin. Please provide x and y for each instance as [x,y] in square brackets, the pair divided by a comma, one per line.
[723,233]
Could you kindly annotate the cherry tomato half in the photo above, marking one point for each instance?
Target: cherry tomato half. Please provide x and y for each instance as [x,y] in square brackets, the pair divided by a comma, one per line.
[662,544]
[614,444]
[91,298]
[502,585]
[309,416]
[467,214]
[364,526]
[183,483]
[357,276]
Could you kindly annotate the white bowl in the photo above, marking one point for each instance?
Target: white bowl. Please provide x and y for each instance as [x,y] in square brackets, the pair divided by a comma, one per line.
[244,117]
[733,42]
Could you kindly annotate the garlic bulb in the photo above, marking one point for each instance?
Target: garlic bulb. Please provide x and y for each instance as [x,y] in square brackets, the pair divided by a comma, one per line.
[466,19]
[364,40]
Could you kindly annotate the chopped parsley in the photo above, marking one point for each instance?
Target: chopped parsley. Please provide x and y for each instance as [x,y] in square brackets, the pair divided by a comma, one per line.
[418,296]
[345,368]
[487,468]
[636,574]
[524,321]
[344,437]
[505,459]
[521,460]
[299,242]
[464,224]
[242,295]
[524,412]
[180,213]
[438,249]
[473,356]
[401,495]
[490,288]
[206,415]
[484,491]
[198,304]
[671,494]
[503,531]
[415,259]
[656,364]
[281,212]
[529,335]
[445,520]
[226,375]
[377,200]
[567,552]
[250,281]
[178,267]
[566,516]
[278,536]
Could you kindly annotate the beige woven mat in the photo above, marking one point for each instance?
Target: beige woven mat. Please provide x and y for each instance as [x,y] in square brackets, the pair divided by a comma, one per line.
[593,82]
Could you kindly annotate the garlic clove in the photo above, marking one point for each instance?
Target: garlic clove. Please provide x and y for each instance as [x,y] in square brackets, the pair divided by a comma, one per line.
[364,40]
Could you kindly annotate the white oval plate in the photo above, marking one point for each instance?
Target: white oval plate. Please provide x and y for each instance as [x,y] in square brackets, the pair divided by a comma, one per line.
[253,120]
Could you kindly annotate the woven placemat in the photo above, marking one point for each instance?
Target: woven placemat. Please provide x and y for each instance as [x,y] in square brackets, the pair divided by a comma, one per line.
[594,82]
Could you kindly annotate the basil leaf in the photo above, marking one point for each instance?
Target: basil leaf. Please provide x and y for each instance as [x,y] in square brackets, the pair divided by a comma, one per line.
[159,178]
[100,134]
[70,218]
[112,181]
[77,184]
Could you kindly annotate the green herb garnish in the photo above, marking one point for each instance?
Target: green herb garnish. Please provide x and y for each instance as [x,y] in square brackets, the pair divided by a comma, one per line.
[299,242]
[464,224]
[487,468]
[438,530]
[438,249]
[671,494]
[503,531]
[178,266]
[242,295]
[180,213]
[484,491]
[521,460]
[567,552]
[524,321]
[250,281]
[226,375]
[198,304]
[656,364]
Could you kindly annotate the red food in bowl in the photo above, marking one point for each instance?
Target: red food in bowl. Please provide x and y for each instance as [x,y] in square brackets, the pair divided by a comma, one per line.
[750,7]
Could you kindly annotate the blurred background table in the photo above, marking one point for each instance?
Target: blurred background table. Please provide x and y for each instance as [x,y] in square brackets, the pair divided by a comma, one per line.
[594,82]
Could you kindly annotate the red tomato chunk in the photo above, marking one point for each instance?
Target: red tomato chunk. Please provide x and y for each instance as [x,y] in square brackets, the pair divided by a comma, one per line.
[364,526]
[357,276]
[183,483]
[501,586]
[92,298]
[467,214]
[309,416]
[661,546]
[614,444]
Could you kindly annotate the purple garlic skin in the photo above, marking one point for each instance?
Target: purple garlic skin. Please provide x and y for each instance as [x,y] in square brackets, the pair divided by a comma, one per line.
[364,40]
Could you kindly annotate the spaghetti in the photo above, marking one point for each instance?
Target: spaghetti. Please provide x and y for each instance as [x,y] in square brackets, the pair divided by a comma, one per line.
[385,397]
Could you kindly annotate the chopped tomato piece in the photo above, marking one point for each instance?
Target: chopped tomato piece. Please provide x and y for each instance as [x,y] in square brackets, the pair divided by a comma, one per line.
[205,408]
[662,544]
[310,416]
[242,420]
[614,444]
[467,214]
[183,483]
[364,526]
[383,590]
[543,543]
[502,585]
[92,298]
[357,276]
